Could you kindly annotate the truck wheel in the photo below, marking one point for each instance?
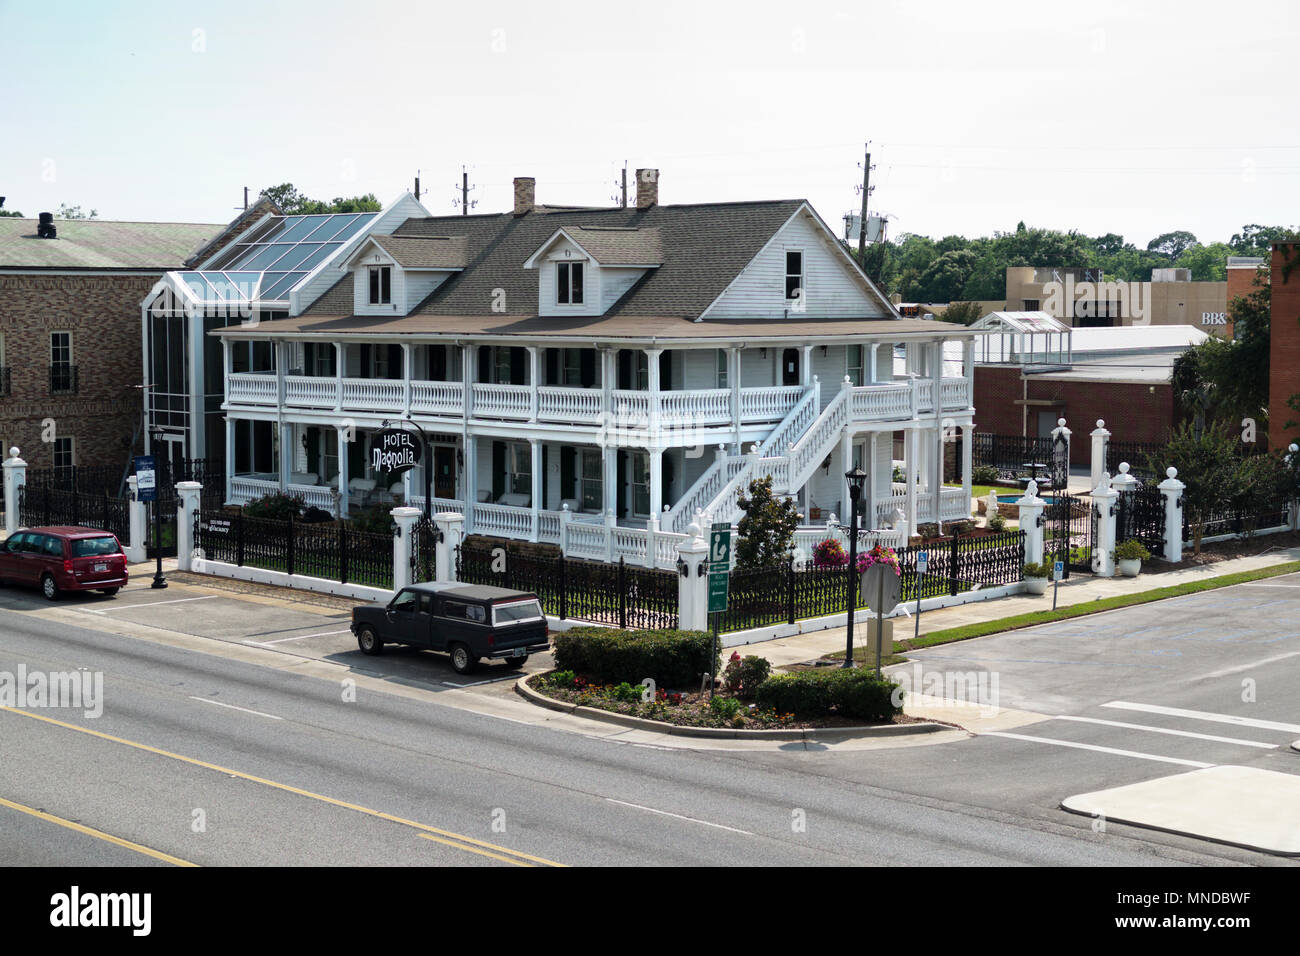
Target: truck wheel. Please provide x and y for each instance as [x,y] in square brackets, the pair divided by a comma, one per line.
[462,661]
[369,642]
[516,661]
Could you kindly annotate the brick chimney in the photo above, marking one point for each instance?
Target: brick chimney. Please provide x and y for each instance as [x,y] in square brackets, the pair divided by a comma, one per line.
[525,194]
[647,188]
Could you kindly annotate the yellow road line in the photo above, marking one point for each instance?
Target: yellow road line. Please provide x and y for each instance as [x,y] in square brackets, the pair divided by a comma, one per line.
[98,834]
[379,814]
[461,846]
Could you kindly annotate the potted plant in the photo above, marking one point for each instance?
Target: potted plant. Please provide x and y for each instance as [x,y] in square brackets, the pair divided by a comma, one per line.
[1036,576]
[1129,557]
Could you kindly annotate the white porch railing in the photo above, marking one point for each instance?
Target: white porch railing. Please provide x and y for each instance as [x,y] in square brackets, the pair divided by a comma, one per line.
[438,398]
[254,388]
[925,395]
[696,408]
[373,394]
[769,404]
[955,393]
[314,496]
[630,406]
[310,391]
[503,401]
[882,402]
[570,405]
[244,489]
[504,520]
[954,504]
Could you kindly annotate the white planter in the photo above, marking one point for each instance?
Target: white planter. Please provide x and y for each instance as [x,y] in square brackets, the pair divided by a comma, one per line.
[1036,585]
[1129,567]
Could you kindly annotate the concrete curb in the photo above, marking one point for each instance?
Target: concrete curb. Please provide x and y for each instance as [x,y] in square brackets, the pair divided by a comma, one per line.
[642,723]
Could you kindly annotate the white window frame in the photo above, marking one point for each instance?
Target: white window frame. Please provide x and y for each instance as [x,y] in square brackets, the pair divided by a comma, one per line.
[802,287]
[722,362]
[57,332]
[860,369]
[640,460]
[582,292]
[519,480]
[71,452]
[589,499]
[376,295]
[571,368]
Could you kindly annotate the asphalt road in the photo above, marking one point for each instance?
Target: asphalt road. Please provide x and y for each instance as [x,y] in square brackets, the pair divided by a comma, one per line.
[204,759]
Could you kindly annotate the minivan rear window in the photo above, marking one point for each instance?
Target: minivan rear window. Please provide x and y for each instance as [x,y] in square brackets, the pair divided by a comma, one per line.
[93,547]
[518,611]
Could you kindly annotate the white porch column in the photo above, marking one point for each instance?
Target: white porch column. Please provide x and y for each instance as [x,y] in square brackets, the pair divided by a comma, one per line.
[607,371]
[871,374]
[1172,489]
[968,370]
[534,377]
[230,456]
[936,471]
[656,482]
[225,369]
[692,586]
[468,369]
[452,527]
[846,464]
[343,434]
[535,445]
[967,459]
[15,470]
[470,492]
[405,518]
[910,472]
[187,503]
[869,466]
[652,375]
[805,367]
[1031,511]
[609,469]
[286,453]
[1103,500]
[137,522]
[1100,439]
[408,373]
[733,377]
[340,369]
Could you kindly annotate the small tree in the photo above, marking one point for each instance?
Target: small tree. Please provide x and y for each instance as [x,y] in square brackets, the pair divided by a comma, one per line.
[766,531]
[1207,464]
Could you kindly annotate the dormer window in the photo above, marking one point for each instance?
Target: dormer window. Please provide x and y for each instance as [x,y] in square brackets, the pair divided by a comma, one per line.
[568,283]
[793,276]
[381,285]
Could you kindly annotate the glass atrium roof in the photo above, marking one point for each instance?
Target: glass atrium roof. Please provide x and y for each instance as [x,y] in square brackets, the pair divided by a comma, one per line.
[268,263]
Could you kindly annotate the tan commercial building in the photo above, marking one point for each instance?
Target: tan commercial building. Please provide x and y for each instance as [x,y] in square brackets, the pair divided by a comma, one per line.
[1085,298]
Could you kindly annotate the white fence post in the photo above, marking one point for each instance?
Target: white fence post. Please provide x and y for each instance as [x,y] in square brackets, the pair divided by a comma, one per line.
[1059,430]
[692,581]
[1173,489]
[610,523]
[1103,499]
[137,521]
[187,502]
[651,530]
[405,518]
[15,477]
[1031,513]
[1100,441]
[451,528]
[566,518]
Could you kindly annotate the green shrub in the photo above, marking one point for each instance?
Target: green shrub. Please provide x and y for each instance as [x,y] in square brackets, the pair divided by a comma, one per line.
[744,675]
[374,519]
[629,693]
[562,679]
[1131,550]
[670,658]
[1043,570]
[275,505]
[725,707]
[928,530]
[984,475]
[998,523]
[856,692]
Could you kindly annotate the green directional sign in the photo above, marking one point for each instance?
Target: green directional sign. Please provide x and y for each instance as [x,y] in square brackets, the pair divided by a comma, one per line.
[719,566]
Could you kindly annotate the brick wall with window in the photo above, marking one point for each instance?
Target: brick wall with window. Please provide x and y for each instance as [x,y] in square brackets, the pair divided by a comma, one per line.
[101,316]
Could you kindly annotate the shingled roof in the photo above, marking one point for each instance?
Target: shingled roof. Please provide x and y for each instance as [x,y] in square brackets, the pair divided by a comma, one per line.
[426,252]
[102,244]
[619,245]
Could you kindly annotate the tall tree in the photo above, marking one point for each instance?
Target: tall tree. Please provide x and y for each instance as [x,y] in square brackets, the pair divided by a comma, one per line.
[1171,245]
[287,197]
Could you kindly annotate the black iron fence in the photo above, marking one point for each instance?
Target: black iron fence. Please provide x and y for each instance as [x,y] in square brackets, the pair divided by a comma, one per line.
[328,550]
[620,594]
[1070,532]
[1140,516]
[800,590]
[1143,459]
[42,505]
[1014,456]
[111,479]
[1240,521]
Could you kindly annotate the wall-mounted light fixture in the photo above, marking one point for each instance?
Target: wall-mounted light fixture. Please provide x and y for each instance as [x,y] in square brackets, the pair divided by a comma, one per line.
[762,353]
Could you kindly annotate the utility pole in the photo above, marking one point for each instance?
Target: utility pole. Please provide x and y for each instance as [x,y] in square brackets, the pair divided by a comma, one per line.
[866,191]
[623,202]
[417,185]
[465,188]
[245,199]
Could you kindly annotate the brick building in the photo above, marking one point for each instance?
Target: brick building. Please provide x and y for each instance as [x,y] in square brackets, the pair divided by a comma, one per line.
[1117,374]
[1284,343]
[70,348]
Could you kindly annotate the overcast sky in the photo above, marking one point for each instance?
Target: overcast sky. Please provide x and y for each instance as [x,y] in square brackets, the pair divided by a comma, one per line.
[1130,117]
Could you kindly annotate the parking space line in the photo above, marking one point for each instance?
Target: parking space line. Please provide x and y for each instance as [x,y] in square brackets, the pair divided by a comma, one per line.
[300,637]
[205,700]
[678,816]
[127,607]
[1166,730]
[1237,669]
[1205,715]
[1105,750]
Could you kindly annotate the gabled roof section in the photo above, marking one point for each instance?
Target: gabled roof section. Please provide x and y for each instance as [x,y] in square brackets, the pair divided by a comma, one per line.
[241,223]
[424,252]
[1020,322]
[609,245]
[101,244]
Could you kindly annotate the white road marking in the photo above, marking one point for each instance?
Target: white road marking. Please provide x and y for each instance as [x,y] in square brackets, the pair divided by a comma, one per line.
[1205,715]
[300,637]
[217,703]
[665,813]
[127,607]
[1104,750]
[1176,733]
[1247,667]
[1251,584]
[480,683]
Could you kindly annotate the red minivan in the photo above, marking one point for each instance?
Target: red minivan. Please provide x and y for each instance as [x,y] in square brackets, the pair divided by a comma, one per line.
[64,558]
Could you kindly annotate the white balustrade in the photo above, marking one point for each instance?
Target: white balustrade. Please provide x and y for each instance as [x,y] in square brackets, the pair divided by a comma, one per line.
[768,404]
[569,405]
[548,527]
[694,408]
[882,403]
[796,422]
[254,388]
[373,394]
[587,540]
[629,544]
[925,395]
[885,508]
[953,504]
[310,391]
[503,401]
[438,398]
[244,489]
[955,393]
[630,409]
[314,496]
[504,520]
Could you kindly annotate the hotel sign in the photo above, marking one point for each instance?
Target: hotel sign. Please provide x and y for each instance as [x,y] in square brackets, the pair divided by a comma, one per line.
[394,451]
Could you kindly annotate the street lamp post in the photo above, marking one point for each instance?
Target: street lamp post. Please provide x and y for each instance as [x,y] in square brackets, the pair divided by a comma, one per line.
[856,478]
[156,434]
[428,486]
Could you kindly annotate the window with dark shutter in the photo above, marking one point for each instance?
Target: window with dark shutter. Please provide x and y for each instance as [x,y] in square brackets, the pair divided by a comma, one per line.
[794,275]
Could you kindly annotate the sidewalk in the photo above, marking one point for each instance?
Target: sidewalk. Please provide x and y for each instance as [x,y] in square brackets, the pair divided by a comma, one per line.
[1080,589]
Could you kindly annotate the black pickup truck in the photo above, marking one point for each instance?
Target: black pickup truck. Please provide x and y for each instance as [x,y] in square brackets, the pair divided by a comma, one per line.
[468,621]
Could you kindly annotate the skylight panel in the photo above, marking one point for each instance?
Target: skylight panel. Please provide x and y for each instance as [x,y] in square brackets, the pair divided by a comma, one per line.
[276,285]
[300,228]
